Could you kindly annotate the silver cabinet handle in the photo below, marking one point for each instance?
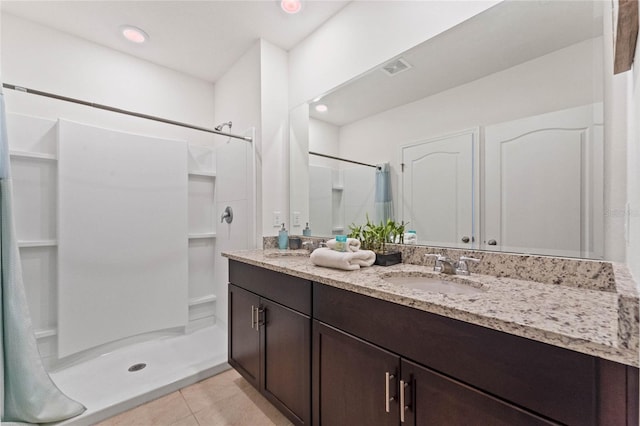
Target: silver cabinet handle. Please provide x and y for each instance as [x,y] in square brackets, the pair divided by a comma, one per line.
[465,239]
[388,376]
[403,407]
[253,316]
[259,310]
[492,243]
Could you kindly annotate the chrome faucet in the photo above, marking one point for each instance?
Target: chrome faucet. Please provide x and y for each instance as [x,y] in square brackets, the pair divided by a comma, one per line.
[443,264]
[311,245]
[462,267]
[447,266]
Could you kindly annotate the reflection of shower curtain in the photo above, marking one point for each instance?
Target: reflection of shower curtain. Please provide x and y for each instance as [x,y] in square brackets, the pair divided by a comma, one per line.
[383,200]
[27,393]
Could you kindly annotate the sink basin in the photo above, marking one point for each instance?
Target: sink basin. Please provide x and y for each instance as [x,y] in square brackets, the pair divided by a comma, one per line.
[287,253]
[433,284]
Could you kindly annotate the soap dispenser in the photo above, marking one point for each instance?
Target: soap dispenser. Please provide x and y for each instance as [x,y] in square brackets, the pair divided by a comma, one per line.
[283,238]
[306,231]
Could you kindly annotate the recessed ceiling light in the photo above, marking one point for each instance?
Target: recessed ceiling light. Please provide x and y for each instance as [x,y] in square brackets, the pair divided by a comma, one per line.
[291,6]
[322,108]
[134,34]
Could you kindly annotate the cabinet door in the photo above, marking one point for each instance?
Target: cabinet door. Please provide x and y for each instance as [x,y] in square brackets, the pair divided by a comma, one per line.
[433,399]
[244,338]
[349,380]
[286,371]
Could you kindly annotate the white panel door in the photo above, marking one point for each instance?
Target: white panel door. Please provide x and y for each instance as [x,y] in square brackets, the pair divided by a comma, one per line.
[438,188]
[122,218]
[541,177]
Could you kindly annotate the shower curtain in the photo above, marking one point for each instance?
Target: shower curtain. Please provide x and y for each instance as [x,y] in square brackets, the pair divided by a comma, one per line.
[27,393]
[383,201]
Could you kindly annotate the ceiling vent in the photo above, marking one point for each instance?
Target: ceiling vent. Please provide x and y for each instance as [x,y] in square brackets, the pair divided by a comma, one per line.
[396,67]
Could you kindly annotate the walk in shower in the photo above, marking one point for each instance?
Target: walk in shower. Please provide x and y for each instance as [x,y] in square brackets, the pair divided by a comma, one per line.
[117,216]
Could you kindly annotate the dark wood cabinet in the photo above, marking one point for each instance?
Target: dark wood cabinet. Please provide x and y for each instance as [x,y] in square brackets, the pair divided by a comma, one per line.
[518,379]
[244,338]
[286,357]
[433,399]
[355,383]
[269,342]
[327,356]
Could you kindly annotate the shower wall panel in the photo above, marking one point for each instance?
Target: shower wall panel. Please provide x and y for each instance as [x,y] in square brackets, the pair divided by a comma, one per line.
[122,235]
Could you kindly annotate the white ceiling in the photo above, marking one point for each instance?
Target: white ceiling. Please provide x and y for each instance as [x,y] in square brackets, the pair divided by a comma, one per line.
[506,35]
[201,38]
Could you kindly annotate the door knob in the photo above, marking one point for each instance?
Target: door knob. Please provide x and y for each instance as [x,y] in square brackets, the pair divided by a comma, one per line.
[465,239]
[492,243]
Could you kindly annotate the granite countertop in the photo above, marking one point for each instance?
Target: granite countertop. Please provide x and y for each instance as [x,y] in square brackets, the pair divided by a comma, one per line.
[590,321]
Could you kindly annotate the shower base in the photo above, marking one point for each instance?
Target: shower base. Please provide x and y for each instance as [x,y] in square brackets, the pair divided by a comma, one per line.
[106,386]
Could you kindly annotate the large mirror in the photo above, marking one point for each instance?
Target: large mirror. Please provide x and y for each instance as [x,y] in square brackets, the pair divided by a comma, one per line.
[492,131]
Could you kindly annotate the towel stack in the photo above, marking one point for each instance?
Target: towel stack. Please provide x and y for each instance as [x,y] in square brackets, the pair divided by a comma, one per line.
[352,259]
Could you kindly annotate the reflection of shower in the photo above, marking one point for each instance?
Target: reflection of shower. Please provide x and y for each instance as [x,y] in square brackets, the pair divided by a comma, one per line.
[219,127]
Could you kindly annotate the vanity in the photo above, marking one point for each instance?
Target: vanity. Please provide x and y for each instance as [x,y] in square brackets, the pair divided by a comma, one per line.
[335,347]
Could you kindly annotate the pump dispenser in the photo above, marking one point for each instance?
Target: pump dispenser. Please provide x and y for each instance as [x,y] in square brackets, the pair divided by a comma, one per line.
[283,238]
[306,231]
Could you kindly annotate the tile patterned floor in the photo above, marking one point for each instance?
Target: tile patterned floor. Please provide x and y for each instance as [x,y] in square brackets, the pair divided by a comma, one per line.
[223,400]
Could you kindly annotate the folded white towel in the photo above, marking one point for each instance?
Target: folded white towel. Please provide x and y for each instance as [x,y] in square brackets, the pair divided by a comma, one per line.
[348,261]
[353,244]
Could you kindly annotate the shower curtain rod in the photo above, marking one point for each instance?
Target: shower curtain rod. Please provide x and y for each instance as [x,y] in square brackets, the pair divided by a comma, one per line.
[342,159]
[121,111]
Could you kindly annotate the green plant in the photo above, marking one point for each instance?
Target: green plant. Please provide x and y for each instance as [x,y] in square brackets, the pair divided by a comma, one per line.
[375,237]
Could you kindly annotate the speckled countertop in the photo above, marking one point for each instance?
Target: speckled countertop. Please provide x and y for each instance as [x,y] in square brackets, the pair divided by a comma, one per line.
[595,322]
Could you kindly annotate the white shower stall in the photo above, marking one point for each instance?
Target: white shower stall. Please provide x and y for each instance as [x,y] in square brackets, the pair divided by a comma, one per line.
[118,236]
[118,217]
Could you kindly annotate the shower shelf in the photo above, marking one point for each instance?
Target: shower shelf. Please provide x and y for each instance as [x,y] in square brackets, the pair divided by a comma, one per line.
[32,155]
[38,243]
[45,332]
[202,300]
[202,235]
[210,174]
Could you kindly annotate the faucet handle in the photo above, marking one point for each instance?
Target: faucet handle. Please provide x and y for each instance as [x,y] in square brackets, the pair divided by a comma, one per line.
[439,258]
[462,268]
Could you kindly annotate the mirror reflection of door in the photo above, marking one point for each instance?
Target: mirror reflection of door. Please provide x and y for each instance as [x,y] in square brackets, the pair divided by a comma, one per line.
[438,189]
[542,175]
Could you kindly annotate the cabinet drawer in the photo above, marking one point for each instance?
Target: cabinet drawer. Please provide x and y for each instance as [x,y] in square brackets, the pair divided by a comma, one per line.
[289,291]
[552,381]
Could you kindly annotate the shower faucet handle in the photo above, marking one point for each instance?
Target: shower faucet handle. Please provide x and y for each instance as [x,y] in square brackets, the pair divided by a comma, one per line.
[227,215]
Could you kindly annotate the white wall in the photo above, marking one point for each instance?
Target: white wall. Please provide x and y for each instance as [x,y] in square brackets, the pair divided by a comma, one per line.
[275,136]
[59,63]
[32,57]
[364,35]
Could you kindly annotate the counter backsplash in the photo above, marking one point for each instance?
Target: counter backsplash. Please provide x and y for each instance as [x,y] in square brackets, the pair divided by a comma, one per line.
[579,273]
